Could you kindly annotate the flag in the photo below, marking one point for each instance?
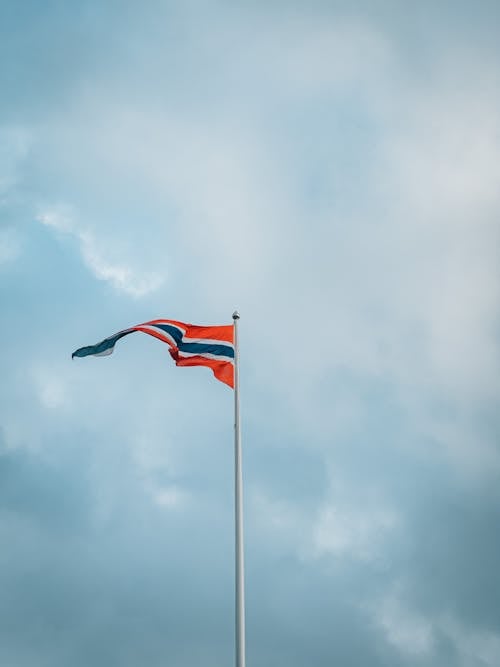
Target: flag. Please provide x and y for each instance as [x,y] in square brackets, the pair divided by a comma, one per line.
[190,345]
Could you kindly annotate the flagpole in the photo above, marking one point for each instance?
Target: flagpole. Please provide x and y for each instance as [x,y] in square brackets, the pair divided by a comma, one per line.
[238,512]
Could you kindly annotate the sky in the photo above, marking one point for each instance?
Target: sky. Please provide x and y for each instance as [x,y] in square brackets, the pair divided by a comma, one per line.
[332,170]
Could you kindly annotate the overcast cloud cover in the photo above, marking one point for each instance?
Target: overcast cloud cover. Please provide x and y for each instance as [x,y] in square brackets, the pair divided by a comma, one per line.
[332,169]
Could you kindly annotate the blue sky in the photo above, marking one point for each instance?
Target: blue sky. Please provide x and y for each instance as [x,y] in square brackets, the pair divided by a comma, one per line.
[332,170]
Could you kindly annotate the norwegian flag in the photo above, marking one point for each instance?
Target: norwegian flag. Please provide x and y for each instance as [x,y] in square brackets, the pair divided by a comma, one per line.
[190,345]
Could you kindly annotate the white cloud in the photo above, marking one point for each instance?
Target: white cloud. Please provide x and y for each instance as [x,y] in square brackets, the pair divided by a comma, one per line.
[172,497]
[405,629]
[356,532]
[474,646]
[51,390]
[333,531]
[59,219]
[315,56]
[414,633]
[441,168]
[406,288]
[133,282]
[136,283]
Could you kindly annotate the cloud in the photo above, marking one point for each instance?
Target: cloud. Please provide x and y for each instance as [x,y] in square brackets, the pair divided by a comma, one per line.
[355,533]
[170,498]
[422,636]
[52,391]
[334,530]
[408,631]
[135,283]
[482,647]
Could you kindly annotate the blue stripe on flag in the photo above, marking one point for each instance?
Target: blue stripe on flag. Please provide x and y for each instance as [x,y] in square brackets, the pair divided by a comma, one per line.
[171,330]
[203,348]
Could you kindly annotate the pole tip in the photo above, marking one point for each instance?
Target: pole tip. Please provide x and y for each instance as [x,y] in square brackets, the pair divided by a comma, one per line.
[236,315]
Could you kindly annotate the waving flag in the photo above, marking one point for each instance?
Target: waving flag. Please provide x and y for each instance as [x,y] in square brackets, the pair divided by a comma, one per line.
[190,345]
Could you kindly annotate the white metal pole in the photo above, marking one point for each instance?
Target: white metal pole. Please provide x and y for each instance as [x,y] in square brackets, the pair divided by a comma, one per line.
[238,512]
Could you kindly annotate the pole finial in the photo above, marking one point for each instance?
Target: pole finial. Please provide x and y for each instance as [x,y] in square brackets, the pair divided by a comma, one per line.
[236,315]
